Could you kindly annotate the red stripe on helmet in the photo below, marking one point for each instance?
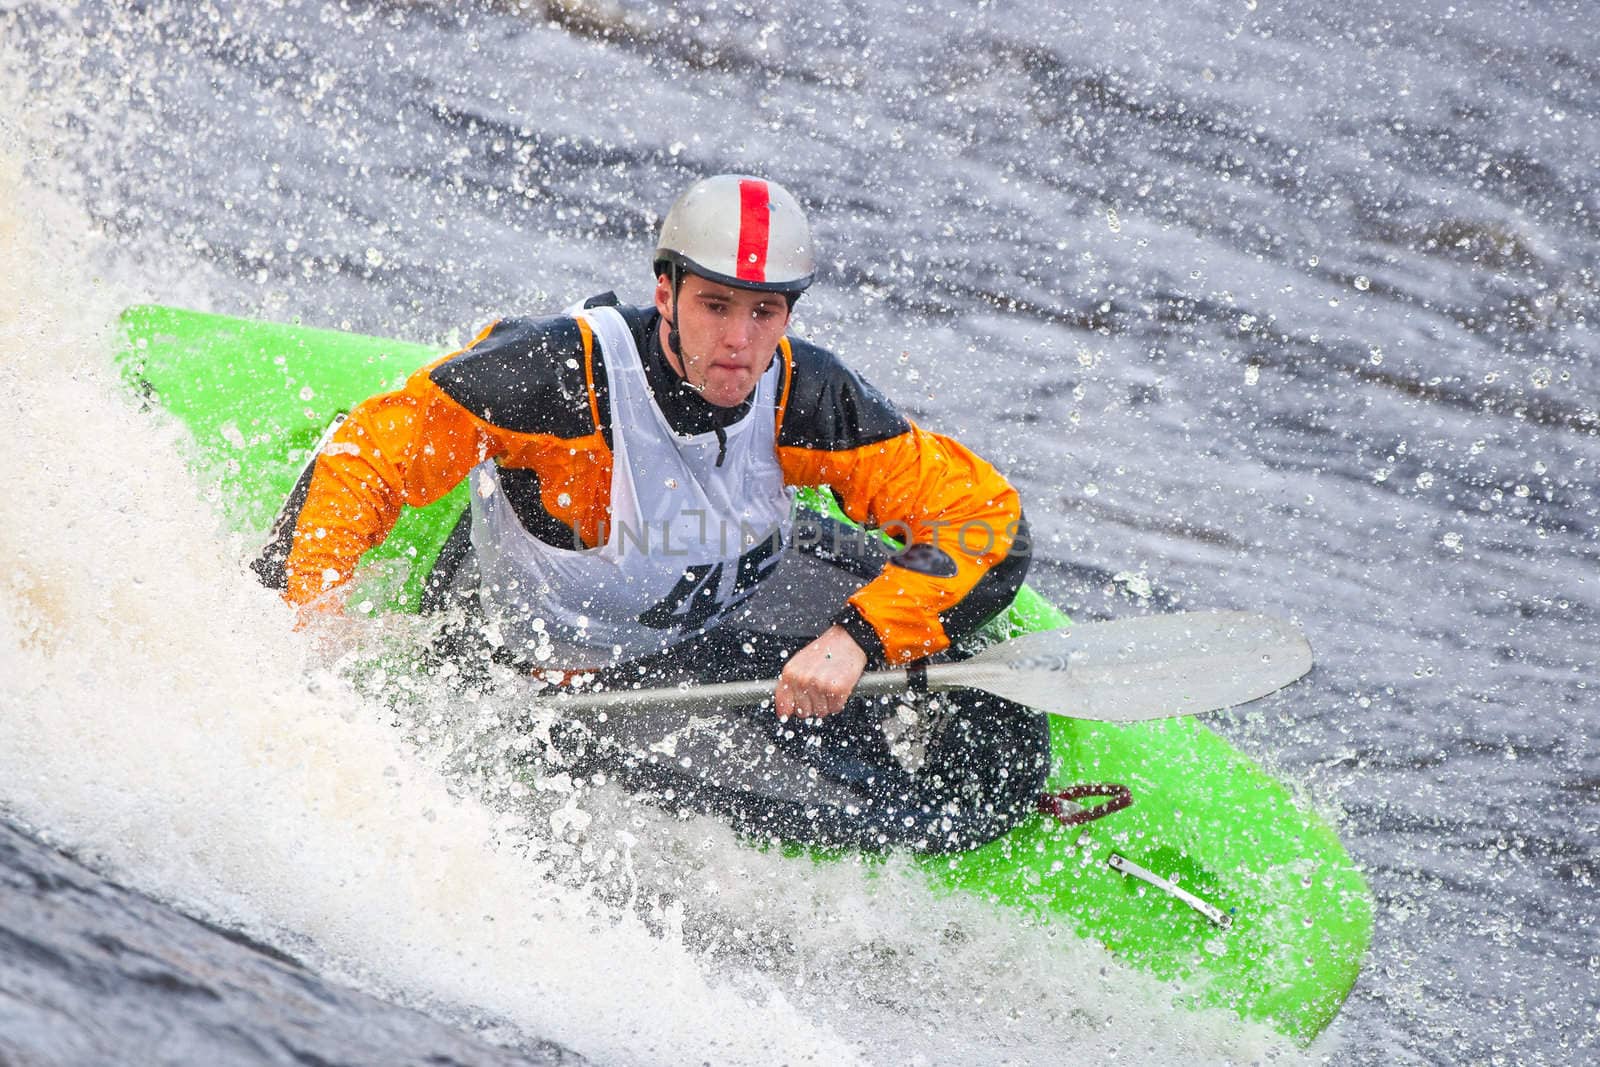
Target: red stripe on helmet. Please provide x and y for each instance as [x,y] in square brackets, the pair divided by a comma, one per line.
[755,224]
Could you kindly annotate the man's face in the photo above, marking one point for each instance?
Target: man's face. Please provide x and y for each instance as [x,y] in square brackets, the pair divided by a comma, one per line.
[728,336]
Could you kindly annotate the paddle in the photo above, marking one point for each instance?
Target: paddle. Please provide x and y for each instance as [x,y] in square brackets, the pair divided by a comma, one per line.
[1128,670]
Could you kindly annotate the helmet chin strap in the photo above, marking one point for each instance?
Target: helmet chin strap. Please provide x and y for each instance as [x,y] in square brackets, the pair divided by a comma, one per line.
[674,340]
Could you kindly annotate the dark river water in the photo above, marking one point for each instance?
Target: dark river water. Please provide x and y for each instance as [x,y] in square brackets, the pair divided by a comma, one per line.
[1288,307]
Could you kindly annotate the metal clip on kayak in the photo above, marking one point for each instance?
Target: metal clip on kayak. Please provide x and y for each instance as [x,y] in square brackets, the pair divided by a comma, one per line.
[1172,889]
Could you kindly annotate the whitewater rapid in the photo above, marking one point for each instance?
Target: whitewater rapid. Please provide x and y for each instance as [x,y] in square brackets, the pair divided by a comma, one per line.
[1285,307]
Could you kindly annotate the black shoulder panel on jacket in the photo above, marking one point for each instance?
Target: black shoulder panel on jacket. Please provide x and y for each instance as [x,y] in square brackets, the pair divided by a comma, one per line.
[526,376]
[639,320]
[833,408]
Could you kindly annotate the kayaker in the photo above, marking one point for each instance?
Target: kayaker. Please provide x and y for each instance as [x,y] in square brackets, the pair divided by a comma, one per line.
[632,472]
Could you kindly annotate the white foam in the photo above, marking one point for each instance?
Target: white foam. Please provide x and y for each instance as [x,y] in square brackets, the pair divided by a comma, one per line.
[159,713]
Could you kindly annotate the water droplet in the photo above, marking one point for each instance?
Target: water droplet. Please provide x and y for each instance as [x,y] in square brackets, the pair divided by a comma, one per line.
[1252,374]
[1540,377]
[1137,584]
[1362,282]
[1113,221]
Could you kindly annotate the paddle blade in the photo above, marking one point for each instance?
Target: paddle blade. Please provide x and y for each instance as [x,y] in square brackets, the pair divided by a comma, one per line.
[1130,670]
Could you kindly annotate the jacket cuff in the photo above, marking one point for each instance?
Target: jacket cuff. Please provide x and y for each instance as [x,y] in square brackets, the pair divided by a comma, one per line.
[862,633]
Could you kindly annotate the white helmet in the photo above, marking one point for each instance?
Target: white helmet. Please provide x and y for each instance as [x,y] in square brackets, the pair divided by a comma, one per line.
[740,231]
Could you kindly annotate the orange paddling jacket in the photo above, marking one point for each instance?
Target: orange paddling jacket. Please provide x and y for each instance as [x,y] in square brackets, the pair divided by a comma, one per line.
[531,395]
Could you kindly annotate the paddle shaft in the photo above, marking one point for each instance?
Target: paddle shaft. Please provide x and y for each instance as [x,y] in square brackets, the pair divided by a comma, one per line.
[1127,670]
[715,695]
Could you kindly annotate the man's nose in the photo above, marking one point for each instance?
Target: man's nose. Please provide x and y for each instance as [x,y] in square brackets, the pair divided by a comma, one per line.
[736,331]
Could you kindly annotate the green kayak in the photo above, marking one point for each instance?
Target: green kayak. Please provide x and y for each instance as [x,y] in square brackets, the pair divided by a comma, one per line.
[1213,878]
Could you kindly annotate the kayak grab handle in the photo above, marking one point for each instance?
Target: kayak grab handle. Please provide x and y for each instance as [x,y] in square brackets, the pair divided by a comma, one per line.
[1126,866]
[1064,805]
